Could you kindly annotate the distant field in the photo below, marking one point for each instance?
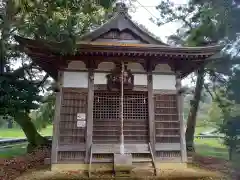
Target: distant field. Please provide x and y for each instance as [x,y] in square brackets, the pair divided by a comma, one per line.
[206,147]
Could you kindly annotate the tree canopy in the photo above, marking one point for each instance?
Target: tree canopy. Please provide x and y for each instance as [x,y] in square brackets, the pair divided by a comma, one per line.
[204,23]
[58,21]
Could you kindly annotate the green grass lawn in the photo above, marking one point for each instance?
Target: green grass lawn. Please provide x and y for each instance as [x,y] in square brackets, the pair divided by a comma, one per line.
[206,147]
[18,149]
[18,133]
[210,147]
[14,151]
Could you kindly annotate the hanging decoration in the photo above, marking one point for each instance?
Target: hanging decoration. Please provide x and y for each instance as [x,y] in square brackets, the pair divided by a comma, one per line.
[114,79]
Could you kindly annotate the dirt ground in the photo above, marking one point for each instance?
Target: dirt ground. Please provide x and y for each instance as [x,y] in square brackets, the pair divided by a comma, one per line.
[45,174]
[216,164]
[202,168]
[192,172]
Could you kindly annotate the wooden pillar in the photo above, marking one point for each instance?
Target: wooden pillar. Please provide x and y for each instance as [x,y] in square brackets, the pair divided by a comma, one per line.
[151,107]
[89,133]
[180,114]
[55,134]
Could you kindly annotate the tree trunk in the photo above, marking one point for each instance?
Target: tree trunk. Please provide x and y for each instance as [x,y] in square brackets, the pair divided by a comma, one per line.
[191,121]
[230,152]
[33,137]
[10,123]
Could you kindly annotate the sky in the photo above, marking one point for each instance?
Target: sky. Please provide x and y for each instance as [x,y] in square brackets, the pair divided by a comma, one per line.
[142,16]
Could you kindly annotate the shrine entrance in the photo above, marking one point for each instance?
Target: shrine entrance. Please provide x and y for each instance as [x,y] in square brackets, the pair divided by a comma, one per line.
[107,117]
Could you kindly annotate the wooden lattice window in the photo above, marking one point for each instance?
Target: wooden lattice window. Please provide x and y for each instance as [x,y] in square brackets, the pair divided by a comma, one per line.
[106,117]
[167,119]
[135,115]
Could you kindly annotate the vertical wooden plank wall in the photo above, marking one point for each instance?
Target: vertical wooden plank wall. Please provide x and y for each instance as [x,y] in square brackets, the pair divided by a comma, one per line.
[167,127]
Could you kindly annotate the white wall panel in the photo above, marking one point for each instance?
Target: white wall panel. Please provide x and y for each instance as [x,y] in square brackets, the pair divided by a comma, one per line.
[75,79]
[140,79]
[100,78]
[166,82]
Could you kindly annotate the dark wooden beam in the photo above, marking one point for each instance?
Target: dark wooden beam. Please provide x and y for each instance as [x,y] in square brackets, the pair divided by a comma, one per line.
[89,133]
[151,117]
[56,122]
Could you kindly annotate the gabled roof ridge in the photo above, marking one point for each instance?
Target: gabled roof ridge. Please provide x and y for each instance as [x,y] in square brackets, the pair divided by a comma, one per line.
[128,18]
[99,27]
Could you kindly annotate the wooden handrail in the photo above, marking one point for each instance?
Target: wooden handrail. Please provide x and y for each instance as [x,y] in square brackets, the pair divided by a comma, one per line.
[153,159]
[90,162]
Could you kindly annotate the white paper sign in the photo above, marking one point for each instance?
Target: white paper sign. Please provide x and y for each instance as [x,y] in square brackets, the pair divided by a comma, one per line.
[81,124]
[81,116]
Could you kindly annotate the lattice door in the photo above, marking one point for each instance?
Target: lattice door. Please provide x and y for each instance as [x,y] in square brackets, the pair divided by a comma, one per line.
[106,122]
[135,115]
[106,117]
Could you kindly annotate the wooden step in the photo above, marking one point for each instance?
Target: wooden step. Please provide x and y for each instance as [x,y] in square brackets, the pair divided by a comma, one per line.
[102,160]
[115,148]
[141,160]
[110,160]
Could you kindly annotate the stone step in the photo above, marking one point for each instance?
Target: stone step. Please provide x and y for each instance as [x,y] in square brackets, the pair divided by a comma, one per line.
[123,165]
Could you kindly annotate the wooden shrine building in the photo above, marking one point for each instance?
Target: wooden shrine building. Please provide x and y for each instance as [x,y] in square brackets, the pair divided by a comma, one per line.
[90,103]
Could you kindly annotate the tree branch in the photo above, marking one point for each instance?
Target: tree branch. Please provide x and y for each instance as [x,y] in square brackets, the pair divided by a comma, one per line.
[43,80]
[208,90]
